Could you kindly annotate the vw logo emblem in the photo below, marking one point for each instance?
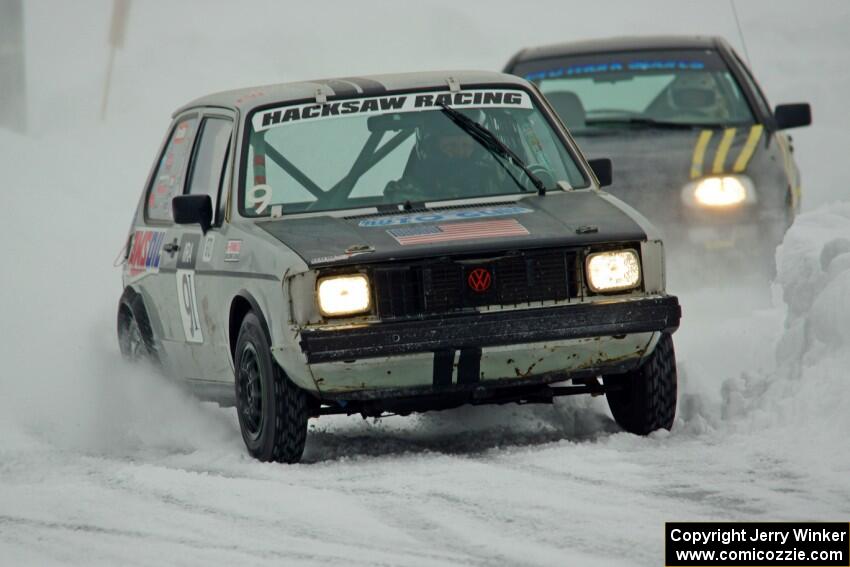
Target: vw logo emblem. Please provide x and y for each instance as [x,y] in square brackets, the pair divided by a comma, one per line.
[479,280]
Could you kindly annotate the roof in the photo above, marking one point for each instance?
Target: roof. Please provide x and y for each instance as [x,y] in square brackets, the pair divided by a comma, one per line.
[623,43]
[247,99]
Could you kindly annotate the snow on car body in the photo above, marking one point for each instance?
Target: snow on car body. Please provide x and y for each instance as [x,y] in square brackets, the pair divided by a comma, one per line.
[367,245]
[694,143]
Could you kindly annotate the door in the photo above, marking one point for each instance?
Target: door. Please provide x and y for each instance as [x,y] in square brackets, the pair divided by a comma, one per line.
[152,259]
[196,285]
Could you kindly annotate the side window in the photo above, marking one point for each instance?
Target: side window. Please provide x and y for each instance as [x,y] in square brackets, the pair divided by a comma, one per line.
[169,176]
[209,164]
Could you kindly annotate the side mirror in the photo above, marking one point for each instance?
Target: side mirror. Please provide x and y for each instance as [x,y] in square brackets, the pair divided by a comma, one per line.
[793,115]
[603,169]
[192,209]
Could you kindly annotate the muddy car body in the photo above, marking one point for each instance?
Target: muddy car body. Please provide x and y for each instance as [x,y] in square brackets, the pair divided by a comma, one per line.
[297,251]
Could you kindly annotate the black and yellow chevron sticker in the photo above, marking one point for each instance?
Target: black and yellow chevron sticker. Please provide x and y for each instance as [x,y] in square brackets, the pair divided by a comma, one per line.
[718,165]
[699,153]
[748,149]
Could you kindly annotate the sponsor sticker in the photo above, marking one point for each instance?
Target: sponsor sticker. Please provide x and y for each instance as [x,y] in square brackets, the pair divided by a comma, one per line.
[430,217]
[209,245]
[188,251]
[431,234]
[233,250]
[182,132]
[327,259]
[638,66]
[499,98]
[337,258]
[353,250]
[146,252]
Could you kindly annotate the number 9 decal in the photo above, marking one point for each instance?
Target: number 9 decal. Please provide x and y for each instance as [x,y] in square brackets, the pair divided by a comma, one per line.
[259,198]
[188,302]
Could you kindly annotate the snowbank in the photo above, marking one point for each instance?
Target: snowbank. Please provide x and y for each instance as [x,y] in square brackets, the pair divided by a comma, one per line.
[805,398]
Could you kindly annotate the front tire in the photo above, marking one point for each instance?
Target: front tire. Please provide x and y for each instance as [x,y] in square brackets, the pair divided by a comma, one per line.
[647,401]
[272,411]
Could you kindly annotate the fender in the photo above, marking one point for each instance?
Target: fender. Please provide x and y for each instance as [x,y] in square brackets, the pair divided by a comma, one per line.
[233,334]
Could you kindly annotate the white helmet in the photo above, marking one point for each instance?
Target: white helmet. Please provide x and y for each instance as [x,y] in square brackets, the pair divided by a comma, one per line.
[697,93]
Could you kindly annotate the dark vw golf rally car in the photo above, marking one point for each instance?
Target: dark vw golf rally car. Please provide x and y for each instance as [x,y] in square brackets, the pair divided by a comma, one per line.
[392,244]
[694,144]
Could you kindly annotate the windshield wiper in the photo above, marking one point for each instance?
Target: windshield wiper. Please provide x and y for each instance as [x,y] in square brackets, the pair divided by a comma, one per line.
[491,143]
[650,123]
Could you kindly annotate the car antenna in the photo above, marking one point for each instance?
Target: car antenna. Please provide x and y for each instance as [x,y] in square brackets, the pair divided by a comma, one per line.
[740,33]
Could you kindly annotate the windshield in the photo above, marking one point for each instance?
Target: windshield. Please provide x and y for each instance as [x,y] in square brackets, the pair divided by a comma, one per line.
[640,88]
[399,149]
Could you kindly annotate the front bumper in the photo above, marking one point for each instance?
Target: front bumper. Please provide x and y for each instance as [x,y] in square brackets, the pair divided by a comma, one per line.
[528,346]
[585,320]
[492,350]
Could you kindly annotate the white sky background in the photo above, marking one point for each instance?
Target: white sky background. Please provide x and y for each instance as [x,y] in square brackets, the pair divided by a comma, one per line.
[178,50]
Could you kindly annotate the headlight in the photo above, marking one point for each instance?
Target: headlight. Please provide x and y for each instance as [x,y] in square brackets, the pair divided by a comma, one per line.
[613,271]
[344,295]
[719,191]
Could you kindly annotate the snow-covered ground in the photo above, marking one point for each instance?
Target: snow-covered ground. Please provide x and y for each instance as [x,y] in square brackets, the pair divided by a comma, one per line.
[101,463]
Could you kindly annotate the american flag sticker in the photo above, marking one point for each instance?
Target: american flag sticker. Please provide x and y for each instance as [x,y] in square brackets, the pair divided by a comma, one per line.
[430,234]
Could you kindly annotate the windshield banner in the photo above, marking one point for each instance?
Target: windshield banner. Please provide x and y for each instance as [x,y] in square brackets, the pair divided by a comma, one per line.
[412,102]
[622,65]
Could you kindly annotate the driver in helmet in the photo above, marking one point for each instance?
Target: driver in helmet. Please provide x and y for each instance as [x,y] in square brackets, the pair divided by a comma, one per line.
[697,96]
[446,163]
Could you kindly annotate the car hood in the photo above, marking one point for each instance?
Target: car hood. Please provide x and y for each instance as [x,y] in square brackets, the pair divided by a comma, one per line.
[556,219]
[644,157]
[651,166]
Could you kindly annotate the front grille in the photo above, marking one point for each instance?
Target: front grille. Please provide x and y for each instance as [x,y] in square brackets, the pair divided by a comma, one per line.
[440,286]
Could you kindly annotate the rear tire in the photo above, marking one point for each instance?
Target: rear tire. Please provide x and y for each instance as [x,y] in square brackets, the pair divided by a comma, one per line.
[647,401]
[272,411]
[135,338]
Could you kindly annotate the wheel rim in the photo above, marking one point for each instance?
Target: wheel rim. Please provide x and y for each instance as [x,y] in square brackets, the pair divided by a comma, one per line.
[250,391]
